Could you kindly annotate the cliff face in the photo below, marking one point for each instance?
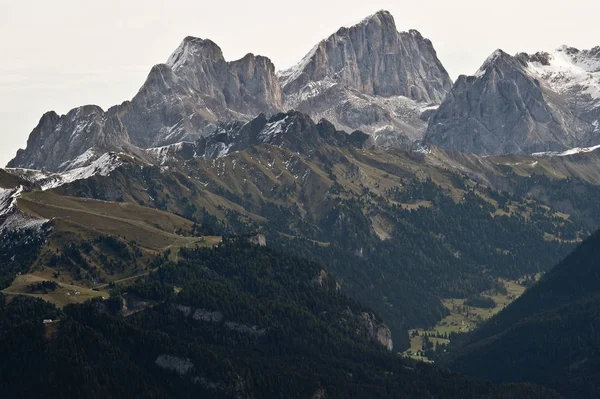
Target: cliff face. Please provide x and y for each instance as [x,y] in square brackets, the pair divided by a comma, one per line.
[369,77]
[373,58]
[185,98]
[62,142]
[378,331]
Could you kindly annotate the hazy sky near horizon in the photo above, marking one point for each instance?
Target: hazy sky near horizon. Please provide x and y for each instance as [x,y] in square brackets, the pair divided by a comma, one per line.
[57,55]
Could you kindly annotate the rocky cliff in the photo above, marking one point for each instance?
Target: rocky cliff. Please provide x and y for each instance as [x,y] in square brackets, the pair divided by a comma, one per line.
[370,77]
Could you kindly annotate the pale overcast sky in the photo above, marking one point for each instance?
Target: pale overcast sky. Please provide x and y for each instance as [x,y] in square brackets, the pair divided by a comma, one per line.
[60,54]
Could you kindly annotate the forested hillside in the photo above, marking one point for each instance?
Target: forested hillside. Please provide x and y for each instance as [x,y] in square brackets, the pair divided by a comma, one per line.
[550,335]
[398,234]
[239,321]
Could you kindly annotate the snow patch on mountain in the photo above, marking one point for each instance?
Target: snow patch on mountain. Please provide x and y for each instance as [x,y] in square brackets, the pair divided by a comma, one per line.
[572,151]
[165,153]
[311,90]
[103,166]
[569,70]
[79,161]
[271,130]
[8,199]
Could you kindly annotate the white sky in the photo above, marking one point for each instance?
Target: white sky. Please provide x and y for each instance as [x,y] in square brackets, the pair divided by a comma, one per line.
[57,55]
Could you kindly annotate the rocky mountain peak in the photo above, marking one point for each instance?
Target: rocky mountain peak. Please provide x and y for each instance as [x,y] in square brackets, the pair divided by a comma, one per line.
[375,59]
[58,141]
[511,105]
[497,59]
[193,48]
[369,77]
[181,100]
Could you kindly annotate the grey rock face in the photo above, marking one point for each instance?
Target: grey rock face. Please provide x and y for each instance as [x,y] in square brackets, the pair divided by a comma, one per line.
[375,59]
[180,101]
[511,106]
[186,97]
[377,331]
[369,77]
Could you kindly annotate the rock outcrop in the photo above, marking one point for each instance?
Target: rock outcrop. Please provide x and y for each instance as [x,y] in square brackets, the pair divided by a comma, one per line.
[377,331]
[293,130]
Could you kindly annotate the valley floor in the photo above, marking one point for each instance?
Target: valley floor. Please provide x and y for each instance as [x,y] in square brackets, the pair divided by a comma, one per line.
[463,318]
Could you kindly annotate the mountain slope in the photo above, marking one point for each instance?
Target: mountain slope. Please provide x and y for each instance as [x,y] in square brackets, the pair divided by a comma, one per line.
[246,322]
[369,77]
[550,334]
[575,75]
[364,212]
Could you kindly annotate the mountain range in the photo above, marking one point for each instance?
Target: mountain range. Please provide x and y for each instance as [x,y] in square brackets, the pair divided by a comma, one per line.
[367,77]
[380,187]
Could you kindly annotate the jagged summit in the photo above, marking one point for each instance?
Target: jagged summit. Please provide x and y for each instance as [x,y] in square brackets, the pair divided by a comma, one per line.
[192,47]
[375,59]
[369,77]
[381,17]
[181,100]
[495,60]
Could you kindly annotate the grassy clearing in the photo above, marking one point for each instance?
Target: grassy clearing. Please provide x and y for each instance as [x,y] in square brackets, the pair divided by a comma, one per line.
[148,231]
[192,242]
[64,295]
[464,318]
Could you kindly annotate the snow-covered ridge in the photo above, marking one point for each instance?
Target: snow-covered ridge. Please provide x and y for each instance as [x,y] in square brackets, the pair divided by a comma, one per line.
[572,151]
[103,166]
[271,130]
